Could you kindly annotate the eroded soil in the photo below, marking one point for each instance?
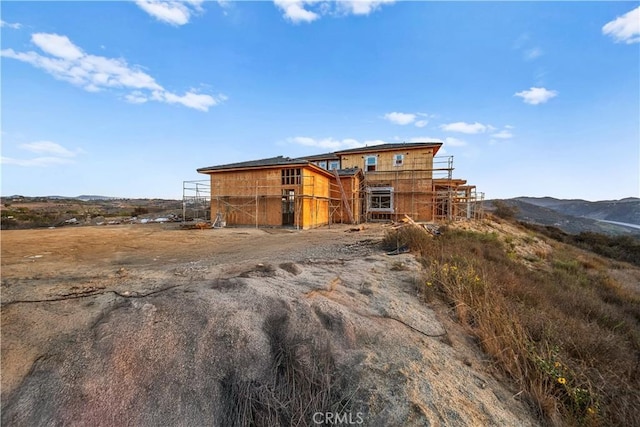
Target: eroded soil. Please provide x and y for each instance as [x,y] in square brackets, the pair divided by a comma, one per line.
[153,325]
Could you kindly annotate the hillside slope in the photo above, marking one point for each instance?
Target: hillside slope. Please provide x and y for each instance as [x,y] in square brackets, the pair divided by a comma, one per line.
[149,325]
[487,324]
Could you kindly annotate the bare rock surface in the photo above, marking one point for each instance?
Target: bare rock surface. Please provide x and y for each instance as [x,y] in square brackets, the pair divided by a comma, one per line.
[148,326]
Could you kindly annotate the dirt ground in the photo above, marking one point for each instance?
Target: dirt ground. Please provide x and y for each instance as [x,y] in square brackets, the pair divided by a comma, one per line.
[98,320]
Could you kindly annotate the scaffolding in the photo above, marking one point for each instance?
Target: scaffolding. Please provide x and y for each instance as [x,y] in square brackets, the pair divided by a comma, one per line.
[456,201]
[196,201]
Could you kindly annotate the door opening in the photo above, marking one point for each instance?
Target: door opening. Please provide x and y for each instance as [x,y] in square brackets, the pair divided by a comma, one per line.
[288,207]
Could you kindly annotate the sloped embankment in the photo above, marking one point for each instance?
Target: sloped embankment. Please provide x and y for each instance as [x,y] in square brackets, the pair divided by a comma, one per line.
[251,344]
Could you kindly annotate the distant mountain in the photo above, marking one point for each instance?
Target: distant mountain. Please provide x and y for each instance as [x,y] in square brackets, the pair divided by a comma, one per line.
[576,216]
[625,210]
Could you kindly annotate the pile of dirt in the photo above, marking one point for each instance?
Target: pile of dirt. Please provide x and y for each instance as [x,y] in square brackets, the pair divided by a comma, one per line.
[254,336]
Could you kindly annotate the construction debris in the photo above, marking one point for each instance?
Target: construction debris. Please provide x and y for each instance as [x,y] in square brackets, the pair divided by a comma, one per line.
[430,228]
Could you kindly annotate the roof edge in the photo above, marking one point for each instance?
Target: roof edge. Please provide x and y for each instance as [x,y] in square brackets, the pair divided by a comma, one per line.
[394,147]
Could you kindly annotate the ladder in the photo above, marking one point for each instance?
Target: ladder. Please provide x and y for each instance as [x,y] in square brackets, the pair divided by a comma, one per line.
[345,199]
[218,222]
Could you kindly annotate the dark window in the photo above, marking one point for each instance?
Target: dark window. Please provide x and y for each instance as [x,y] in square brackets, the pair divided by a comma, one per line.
[290,177]
[381,199]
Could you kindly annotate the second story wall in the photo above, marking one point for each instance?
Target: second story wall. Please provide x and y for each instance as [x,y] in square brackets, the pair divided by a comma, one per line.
[389,161]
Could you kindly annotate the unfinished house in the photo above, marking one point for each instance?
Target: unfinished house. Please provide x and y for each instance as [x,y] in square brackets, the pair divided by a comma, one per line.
[376,183]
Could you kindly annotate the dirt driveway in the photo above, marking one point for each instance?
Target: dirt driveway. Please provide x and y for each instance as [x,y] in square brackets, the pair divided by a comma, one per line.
[71,250]
[75,263]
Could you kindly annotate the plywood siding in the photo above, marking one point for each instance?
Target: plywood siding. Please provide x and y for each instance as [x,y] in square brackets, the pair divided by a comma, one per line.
[255,197]
[266,182]
[315,199]
[411,181]
[247,197]
[415,159]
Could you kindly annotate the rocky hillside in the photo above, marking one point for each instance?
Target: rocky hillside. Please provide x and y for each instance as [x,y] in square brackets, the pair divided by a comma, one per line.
[152,326]
[485,324]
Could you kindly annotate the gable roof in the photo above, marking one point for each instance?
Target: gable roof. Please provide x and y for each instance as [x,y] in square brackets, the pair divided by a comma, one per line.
[388,147]
[271,161]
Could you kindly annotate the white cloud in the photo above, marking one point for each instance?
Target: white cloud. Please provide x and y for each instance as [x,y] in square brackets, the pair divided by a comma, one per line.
[50,153]
[190,99]
[525,44]
[170,11]
[625,28]
[503,134]
[361,7]
[533,53]
[400,118]
[66,61]
[298,11]
[14,26]
[224,5]
[536,95]
[47,147]
[333,144]
[463,127]
[295,12]
[454,142]
[408,118]
[56,45]
[136,97]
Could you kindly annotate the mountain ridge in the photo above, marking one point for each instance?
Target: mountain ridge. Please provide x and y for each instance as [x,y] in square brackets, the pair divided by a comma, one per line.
[611,217]
[625,210]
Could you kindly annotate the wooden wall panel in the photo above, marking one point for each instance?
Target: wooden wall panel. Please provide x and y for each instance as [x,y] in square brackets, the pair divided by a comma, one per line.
[315,199]
[250,197]
[414,159]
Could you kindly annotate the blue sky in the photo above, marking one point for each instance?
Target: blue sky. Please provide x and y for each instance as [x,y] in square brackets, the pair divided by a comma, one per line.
[129,98]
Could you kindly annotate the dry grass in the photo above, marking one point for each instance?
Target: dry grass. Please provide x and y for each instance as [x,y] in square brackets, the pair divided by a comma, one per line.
[569,337]
[303,380]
